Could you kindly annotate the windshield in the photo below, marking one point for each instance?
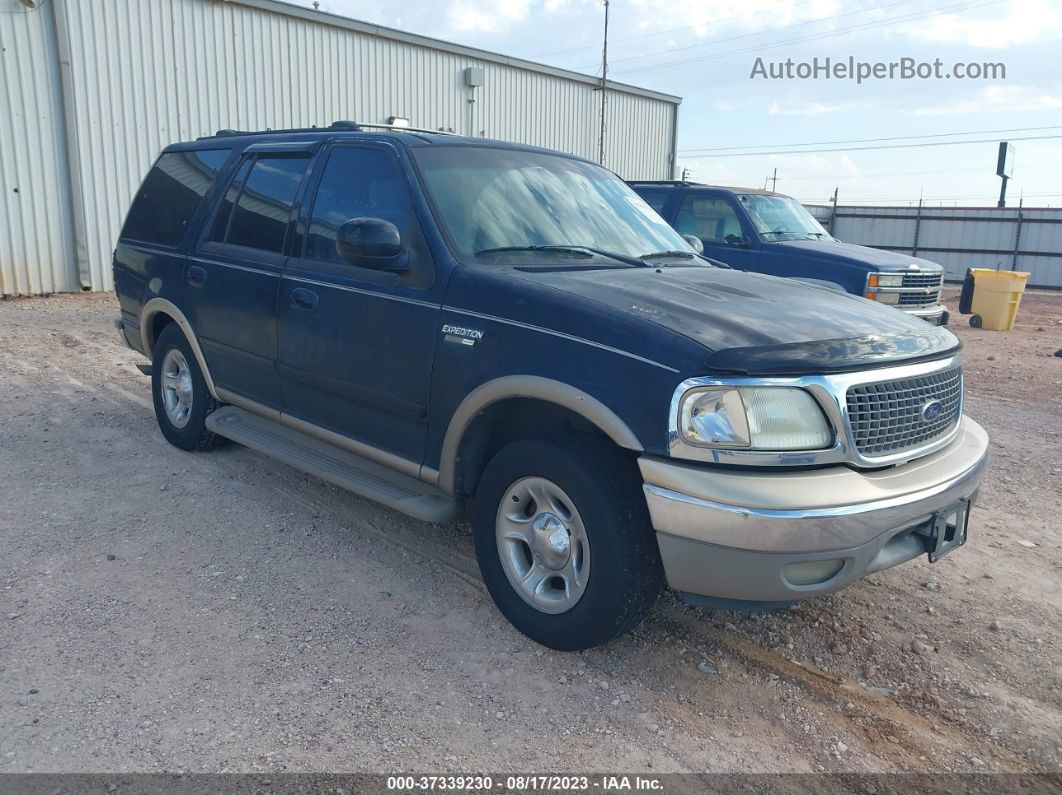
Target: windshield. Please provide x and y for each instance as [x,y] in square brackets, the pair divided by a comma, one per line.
[491,199]
[781,218]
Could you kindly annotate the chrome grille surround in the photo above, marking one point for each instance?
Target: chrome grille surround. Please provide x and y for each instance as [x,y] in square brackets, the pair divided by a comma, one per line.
[831,393]
[886,416]
[919,290]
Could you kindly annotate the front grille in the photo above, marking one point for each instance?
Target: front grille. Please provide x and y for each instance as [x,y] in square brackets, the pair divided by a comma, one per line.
[919,299]
[923,281]
[886,417]
[914,279]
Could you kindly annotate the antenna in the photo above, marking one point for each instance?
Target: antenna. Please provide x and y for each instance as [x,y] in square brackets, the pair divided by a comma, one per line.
[604,95]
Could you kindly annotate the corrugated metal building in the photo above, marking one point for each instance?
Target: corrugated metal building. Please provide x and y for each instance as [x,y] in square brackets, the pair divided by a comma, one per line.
[91,90]
[1009,238]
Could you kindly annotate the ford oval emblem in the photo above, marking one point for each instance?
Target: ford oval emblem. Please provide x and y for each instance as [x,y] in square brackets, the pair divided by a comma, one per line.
[931,410]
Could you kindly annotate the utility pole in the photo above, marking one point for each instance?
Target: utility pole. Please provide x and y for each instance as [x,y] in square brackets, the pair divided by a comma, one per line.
[604,97]
[774,181]
[1004,169]
[833,211]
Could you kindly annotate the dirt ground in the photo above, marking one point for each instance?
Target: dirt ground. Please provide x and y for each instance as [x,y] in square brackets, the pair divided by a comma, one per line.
[163,610]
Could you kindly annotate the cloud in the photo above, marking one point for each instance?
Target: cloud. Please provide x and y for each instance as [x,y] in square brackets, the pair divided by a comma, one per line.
[996,99]
[487,15]
[812,108]
[1025,21]
[706,18]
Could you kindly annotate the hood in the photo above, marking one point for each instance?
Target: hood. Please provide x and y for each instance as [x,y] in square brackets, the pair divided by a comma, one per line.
[756,324]
[876,258]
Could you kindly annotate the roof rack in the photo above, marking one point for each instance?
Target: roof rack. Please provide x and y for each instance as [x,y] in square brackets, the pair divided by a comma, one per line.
[663,182]
[399,128]
[340,126]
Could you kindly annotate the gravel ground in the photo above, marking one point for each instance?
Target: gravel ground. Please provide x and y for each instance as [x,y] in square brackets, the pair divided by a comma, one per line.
[222,612]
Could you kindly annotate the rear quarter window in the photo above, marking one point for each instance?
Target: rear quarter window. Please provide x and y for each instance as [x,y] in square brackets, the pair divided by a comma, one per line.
[172,192]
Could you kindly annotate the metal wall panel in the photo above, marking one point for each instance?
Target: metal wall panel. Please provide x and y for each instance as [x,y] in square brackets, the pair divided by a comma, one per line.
[36,243]
[960,237]
[145,73]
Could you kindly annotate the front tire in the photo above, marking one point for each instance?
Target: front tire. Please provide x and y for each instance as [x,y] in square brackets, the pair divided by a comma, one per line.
[180,394]
[564,541]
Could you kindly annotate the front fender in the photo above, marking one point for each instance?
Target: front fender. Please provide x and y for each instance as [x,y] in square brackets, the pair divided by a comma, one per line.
[537,388]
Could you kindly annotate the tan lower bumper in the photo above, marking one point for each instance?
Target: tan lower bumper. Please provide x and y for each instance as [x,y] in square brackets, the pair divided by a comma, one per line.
[730,534]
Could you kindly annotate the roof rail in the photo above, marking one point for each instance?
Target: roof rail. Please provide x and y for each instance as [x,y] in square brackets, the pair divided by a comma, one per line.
[338,125]
[341,125]
[663,182]
[402,127]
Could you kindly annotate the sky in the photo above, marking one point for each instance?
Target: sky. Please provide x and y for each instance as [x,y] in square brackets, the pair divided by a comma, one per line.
[736,129]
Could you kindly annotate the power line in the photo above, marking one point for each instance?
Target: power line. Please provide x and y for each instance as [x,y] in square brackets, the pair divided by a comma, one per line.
[869,148]
[944,198]
[814,37]
[870,140]
[758,32]
[673,30]
[832,177]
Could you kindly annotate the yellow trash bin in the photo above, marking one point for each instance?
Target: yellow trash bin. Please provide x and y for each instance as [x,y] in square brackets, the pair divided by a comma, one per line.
[996,297]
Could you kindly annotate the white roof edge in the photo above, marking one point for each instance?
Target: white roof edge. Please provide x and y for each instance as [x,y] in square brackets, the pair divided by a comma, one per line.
[335,20]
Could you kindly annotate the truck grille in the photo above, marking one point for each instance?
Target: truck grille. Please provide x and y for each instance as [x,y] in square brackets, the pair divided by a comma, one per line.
[886,417]
[925,281]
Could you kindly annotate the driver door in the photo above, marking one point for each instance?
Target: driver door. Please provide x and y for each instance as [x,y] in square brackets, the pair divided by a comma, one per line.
[355,345]
[717,222]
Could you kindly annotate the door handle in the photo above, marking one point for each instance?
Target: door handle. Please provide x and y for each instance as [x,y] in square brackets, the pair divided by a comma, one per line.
[196,276]
[301,298]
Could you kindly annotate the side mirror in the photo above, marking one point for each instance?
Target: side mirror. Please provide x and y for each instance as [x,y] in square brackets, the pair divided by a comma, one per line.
[695,243]
[372,243]
[737,240]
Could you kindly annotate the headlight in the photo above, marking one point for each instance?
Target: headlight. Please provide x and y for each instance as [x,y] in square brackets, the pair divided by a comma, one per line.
[885,298]
[885,280]
[755,418]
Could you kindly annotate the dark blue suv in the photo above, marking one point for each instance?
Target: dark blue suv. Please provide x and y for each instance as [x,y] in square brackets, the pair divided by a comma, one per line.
[438,322]
[757,230]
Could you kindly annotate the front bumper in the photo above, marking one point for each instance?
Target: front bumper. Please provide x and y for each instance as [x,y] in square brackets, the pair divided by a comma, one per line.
[730,534]
[934,315]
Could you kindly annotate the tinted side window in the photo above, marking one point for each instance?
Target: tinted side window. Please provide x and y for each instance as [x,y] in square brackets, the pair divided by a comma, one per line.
[170,195]
[654,198]
[261,214]
[708,218]
[356,183]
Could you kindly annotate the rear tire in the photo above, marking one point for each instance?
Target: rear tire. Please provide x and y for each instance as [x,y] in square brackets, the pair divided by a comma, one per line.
[564,541]
[180,394]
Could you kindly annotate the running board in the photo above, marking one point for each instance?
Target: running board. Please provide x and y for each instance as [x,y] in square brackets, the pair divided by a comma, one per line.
[344,469]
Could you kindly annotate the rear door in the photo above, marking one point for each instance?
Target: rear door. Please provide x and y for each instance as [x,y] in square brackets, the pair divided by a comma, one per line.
[718,223]
[234,275]
[356,344]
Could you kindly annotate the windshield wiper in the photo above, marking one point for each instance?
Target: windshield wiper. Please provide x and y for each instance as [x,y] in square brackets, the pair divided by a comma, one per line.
[585,251]
[582,252]
[676,253]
